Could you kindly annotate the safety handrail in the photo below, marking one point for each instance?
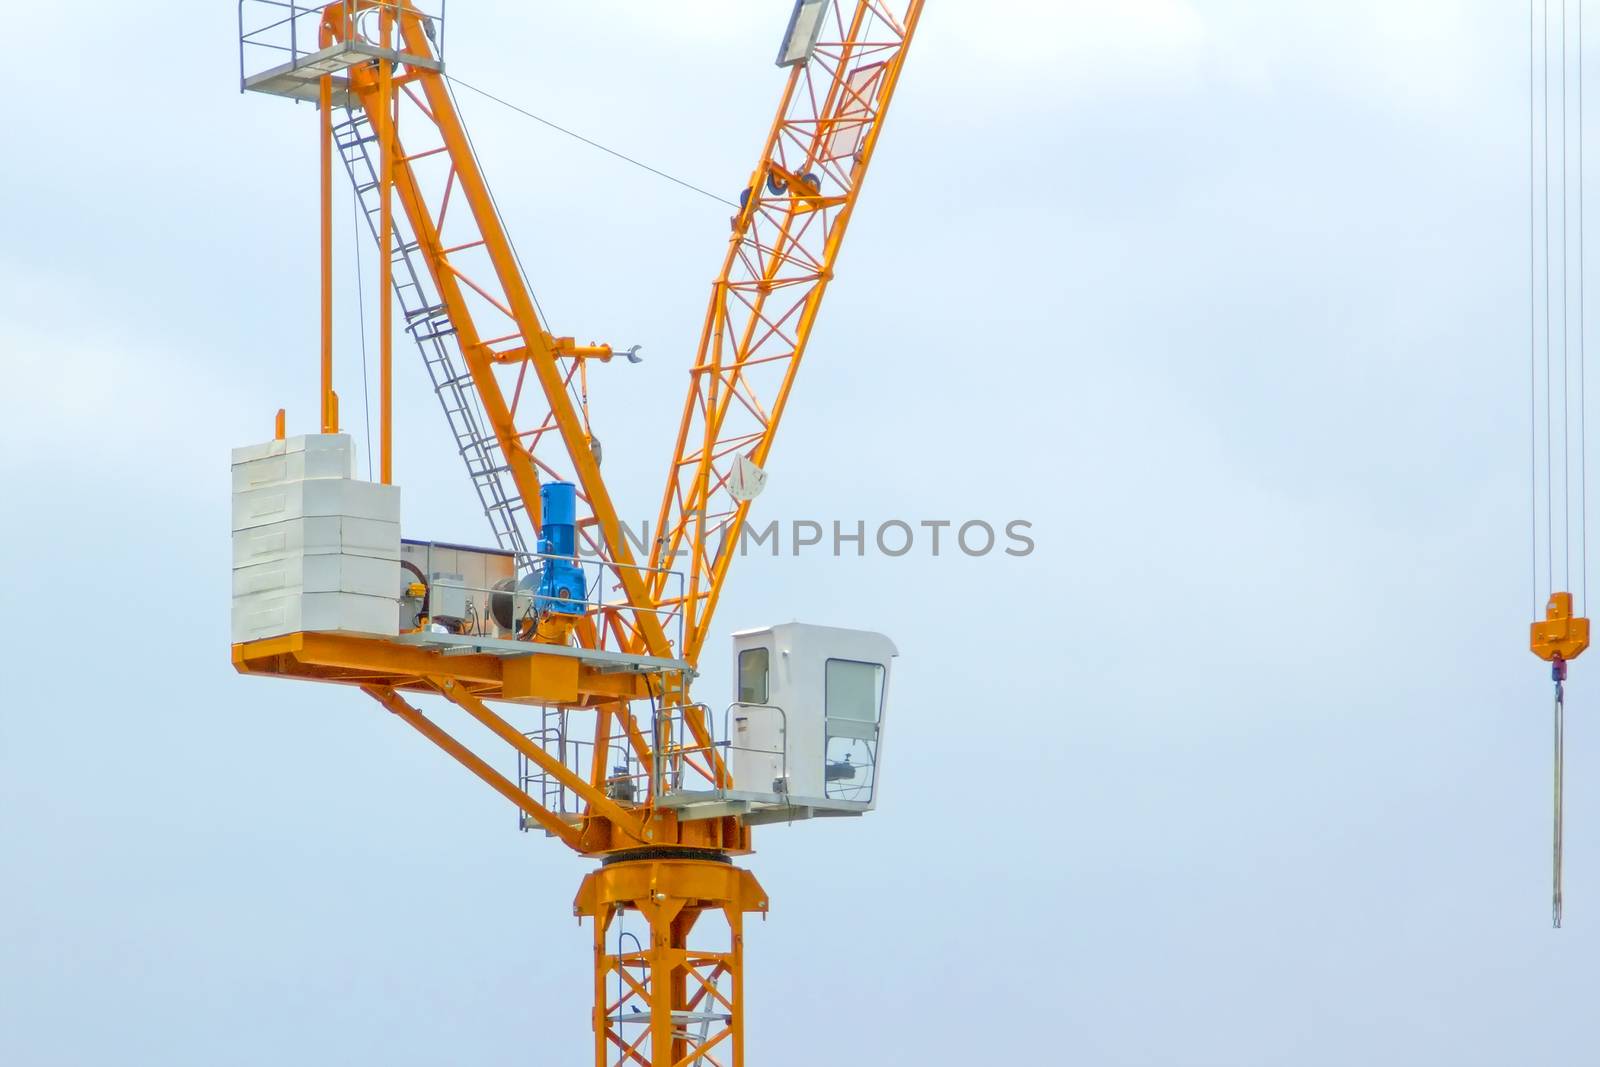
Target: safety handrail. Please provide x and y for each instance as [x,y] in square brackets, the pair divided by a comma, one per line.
[262,36]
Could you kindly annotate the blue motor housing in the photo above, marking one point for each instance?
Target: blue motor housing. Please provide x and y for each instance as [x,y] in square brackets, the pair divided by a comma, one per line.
[562,586]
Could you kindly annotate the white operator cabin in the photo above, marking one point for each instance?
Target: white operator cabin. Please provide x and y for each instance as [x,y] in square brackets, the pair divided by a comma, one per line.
[806,729]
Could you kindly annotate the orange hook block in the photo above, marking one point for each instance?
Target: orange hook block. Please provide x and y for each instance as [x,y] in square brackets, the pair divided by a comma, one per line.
[1561,634]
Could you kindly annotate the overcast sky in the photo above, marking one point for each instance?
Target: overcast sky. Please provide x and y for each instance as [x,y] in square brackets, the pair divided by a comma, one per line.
[1246,764]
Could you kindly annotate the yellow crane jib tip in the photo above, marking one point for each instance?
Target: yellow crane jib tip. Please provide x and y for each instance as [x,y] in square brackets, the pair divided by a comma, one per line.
[1560,634]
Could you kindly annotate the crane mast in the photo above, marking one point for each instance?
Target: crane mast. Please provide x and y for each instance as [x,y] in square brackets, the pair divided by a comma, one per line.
[625,766]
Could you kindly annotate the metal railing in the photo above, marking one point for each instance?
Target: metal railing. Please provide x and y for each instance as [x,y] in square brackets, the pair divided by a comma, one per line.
[509,609]
[627,781]
[678,762]
[285,33]
[685,764]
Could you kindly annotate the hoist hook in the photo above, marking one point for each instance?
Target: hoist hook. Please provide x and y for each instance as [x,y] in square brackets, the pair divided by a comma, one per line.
[1559,637]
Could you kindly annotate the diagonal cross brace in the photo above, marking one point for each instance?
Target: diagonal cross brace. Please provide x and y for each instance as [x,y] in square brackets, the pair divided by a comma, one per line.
[599,804]
[470,760]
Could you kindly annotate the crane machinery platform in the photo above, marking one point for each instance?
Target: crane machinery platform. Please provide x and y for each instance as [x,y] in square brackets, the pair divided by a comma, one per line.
[575,653]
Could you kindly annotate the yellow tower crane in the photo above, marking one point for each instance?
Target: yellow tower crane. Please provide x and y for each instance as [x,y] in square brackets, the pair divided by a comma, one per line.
[563,620]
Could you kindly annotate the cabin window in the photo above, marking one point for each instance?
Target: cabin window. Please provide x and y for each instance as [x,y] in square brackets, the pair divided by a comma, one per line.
[854,690]
[753,670]
[853,695]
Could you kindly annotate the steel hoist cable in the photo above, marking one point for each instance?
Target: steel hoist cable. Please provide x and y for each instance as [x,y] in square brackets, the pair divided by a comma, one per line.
[1563,632]
[1566,453]
[592,143]
[1583,504]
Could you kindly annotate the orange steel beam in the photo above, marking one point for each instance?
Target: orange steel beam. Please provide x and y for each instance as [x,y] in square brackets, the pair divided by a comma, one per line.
[387,136]
[356,660]
[628,822]
[329,417]
[564,831]
[764,303]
